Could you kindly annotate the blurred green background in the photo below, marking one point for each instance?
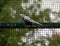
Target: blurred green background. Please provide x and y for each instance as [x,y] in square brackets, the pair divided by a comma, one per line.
[11,37]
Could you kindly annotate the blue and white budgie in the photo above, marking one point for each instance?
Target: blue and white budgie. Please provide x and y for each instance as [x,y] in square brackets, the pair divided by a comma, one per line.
[28,20]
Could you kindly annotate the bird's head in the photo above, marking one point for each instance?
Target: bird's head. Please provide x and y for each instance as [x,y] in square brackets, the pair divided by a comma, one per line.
[22,15]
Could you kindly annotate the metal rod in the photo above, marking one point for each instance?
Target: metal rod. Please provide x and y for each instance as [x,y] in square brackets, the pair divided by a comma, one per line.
[23,25]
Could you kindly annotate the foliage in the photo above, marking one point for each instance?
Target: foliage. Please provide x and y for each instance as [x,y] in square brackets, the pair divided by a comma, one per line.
[55,40]
[11,37]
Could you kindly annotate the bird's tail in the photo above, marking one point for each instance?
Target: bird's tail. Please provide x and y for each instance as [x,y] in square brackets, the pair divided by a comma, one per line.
[38,23]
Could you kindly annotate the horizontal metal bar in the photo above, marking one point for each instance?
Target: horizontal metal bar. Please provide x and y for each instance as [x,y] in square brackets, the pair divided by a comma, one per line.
[23,25]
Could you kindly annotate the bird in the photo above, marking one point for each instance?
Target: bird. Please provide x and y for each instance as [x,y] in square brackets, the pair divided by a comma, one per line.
[28,20]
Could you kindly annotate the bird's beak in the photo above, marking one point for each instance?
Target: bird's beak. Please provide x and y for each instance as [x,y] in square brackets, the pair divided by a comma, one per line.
[21,15]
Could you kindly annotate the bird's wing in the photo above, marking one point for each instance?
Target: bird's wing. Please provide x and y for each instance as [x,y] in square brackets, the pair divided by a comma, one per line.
[30,20]
[27,19]
[37,23]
